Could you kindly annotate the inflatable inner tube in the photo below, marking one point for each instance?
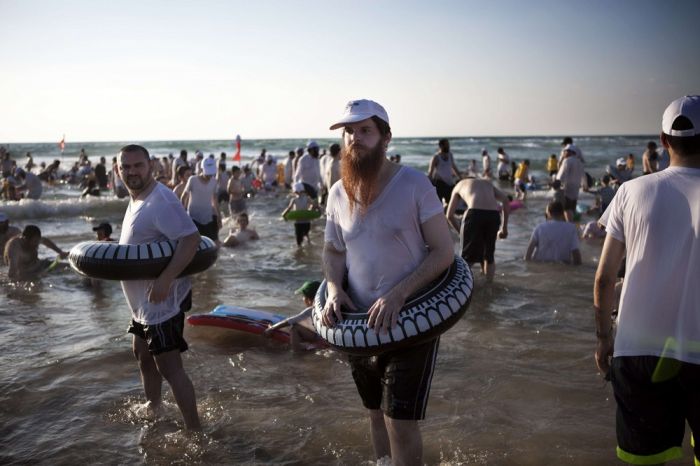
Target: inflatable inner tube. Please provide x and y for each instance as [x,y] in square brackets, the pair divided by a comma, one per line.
[112,261]
[424,316]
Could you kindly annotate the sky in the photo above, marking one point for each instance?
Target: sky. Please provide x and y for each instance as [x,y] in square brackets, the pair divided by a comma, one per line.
[181,70]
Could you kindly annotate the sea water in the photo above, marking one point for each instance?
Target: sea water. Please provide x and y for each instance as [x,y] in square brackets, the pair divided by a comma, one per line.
[515,381]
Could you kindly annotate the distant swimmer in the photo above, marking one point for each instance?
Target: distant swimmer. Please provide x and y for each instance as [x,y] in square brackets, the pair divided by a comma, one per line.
[555,240]
[481,224]
[486,164]
[650,159]
[443,171]
[570,174]
[243,234]
[503,167]
[22,254]
[301,330]
[301,201]
[236,193]
[6,231]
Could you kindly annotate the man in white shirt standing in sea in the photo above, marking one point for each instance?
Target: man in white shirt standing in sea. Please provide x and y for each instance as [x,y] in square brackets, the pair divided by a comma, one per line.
[308,170]
[654,221]
[570,174]
[158,306]
[386,229]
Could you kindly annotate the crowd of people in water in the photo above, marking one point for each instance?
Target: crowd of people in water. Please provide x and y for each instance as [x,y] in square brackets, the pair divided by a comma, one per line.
[212,188]
[191,197]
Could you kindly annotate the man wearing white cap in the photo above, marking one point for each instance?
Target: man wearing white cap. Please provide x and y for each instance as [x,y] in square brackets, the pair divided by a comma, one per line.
[201,201]
[385,228]
[570,174]
[308,170]
[653,359]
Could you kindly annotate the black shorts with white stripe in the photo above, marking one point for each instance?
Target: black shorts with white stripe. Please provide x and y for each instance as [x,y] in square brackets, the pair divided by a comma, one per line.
[397,382]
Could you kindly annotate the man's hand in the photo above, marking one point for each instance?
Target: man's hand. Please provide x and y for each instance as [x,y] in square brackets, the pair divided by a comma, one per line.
[336,299]
[158,290]
[503,233]
[603,353]
[384,313]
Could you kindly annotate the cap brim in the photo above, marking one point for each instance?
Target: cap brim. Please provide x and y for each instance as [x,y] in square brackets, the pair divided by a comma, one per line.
[354,118]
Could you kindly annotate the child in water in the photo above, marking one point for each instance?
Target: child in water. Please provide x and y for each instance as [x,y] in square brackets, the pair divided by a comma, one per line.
[301,201]
[301,331]
[243,234]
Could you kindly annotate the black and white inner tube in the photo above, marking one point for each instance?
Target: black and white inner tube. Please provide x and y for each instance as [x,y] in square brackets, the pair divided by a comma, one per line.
[112,261]
[424,316]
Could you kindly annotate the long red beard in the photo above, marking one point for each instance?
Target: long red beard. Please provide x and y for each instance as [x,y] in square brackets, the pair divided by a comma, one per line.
[359,168]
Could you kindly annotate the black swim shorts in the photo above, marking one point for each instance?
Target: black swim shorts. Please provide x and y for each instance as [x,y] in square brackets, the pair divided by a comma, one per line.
[301,230]
[478,235]
[210,230]
[165,336]
[444,190]
[397,382]
[570,204]
[655,396]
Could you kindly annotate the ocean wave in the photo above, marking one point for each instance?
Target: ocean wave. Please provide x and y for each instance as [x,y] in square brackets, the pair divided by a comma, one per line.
[62,208]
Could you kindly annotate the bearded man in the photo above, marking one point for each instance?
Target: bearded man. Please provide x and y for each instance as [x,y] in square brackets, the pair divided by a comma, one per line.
[386,229]
[158,306]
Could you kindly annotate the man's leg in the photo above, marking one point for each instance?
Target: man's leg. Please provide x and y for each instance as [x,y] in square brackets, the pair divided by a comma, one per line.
[150,377]
[380,437]
[489,269]
[170,366]
[405,440]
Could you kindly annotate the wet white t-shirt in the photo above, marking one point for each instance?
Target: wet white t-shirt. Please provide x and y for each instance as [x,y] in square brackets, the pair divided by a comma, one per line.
[554,241]
[657,216]
[308,171]
[199,207]
[570,173]
[158,217]
[386,244]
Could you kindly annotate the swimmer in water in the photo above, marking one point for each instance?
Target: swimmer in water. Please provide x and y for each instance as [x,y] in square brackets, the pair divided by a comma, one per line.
[6,231]
[243,234]
[22,255]
[300,327]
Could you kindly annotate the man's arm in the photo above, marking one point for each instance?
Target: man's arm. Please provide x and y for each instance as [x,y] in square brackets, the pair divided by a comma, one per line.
[530,249]
[12,257]
[452,207]
[51,245]
[505,202]
[334,271]
[604,299]
[454,167]
[431,167]
[383,314]
[184,252]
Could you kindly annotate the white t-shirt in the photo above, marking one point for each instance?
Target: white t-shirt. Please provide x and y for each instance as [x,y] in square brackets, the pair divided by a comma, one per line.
[657,216]
[554,241]
[386,244]
[570,174]
[269,173]
[289,170]
[332,173]
[308,171]
[323,162]
[443,168]
[158,217]
[199,206]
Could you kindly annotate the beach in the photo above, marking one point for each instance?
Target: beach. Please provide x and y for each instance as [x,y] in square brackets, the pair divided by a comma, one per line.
[515,384]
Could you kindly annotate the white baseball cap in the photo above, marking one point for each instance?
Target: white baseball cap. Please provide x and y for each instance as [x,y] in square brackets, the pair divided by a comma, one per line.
[359,110]
[621,161]
[209,167]
[688,107]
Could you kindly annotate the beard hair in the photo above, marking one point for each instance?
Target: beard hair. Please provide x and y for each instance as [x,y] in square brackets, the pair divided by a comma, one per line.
[359,168]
